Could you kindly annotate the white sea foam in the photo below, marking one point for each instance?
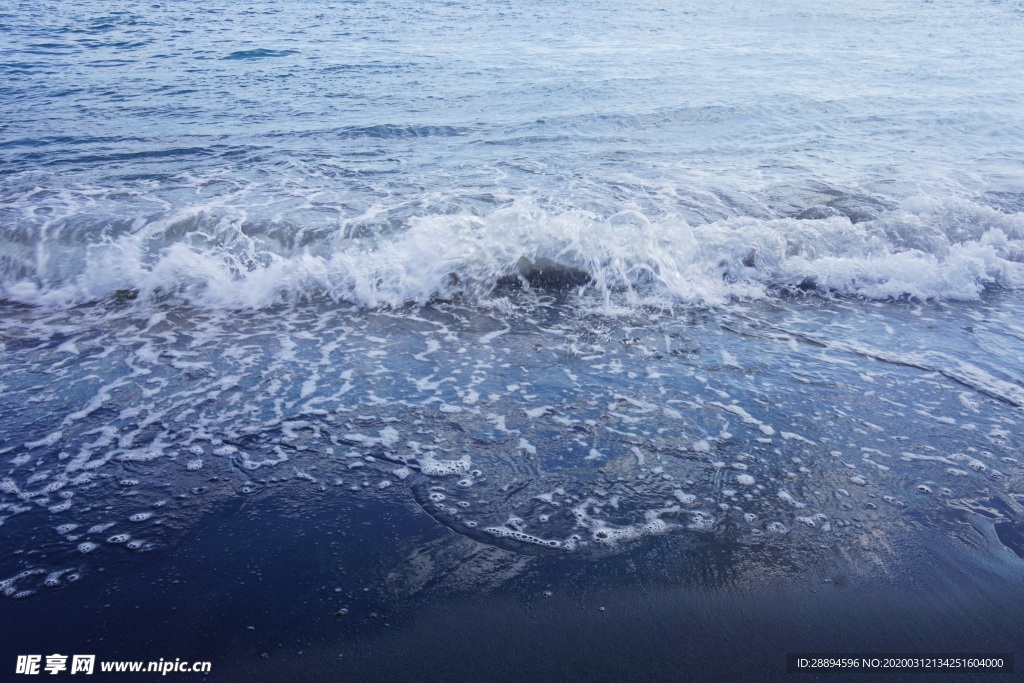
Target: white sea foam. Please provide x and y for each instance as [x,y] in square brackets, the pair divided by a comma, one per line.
[437,467]
[924,249]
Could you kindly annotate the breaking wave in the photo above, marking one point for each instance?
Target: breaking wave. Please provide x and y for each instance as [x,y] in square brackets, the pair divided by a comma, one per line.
[922,249]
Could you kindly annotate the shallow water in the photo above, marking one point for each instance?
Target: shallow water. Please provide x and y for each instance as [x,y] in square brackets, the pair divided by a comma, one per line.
[524,428]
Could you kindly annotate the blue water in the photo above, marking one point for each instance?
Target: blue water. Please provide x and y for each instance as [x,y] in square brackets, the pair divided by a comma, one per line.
[369,152]
[526,297]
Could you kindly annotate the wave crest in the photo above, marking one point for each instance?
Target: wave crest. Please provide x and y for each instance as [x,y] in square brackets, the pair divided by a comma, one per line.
[925,249]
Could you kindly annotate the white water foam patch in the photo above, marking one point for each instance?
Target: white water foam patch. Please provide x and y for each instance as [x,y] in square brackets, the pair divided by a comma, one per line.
[926,249]
[638,444]
[437,467]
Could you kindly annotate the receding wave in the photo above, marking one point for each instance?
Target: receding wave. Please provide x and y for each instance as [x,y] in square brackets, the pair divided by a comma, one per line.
[924,249]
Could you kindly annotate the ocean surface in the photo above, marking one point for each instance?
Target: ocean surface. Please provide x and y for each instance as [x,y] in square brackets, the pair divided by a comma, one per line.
[582,339]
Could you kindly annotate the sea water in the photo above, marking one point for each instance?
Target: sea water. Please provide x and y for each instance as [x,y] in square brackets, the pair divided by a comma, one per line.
[568,278]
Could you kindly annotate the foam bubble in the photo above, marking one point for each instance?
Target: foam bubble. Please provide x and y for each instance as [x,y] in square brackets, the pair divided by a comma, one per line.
[434,467]
[701,521]
[514,534]
[687,499]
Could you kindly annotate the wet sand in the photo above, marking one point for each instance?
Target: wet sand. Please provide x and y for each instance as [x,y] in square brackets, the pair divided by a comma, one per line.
[257,588]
